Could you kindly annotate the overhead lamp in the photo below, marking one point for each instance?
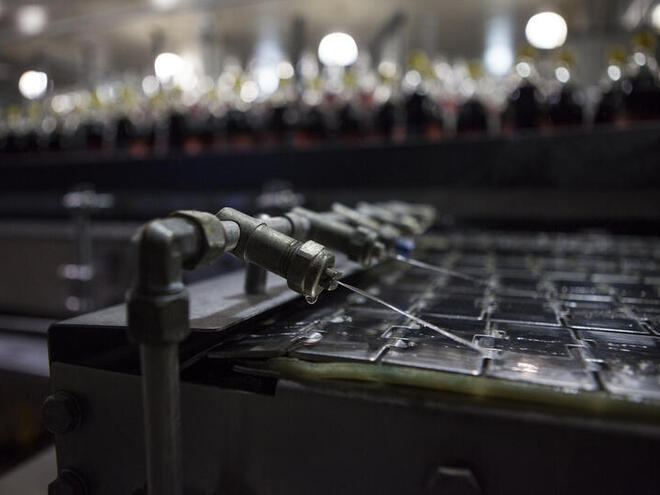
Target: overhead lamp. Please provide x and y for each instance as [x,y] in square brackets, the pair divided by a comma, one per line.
[150,85]
[31,19]
[249,91]
[614,72]
[167,66]
[267,78]
[62,103]
[338,49]
[33,84]
[498,55]
[498,59]
[523,69]
[387,69]
[546,30]
[285,70]
[164,4]
[655,17]
[562,74]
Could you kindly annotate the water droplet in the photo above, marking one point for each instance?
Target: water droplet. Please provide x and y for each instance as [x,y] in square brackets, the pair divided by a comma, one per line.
[312,338]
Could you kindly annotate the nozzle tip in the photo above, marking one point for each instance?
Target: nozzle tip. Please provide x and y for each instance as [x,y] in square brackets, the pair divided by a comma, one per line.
[329,279]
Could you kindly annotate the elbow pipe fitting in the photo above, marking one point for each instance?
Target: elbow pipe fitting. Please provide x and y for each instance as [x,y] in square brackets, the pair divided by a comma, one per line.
[158,308]
[157,305]
[308,267]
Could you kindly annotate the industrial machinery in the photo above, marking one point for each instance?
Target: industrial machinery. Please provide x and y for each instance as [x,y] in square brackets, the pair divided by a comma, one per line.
[455,362]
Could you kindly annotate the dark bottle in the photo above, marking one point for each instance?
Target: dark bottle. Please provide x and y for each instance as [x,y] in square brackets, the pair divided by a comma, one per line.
[642,85]
[417,113]
[472,117]
[564,109]
[349,122]
[524,106]
[564,105]
[177,131]
[313,126]
[385,118]
[92,134]
[125,133]
[611,106]
[282,122]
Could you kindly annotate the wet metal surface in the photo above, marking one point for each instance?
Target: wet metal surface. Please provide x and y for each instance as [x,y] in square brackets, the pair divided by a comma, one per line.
[574,311]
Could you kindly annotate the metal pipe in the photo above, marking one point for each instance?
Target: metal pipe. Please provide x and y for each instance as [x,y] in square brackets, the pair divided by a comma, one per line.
[162,417]
[359,244]
[158,309]
[292,225]
[307,266]
[157,314]
[387,234]
[158,320]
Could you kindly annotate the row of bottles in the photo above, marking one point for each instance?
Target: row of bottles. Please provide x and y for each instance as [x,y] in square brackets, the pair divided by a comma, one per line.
[251,106]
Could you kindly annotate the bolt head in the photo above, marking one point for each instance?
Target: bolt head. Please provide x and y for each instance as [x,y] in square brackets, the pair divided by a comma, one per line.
[68,483]
[61,412]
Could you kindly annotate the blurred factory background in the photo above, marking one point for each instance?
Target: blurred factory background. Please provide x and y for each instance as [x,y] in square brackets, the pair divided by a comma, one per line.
[521,114]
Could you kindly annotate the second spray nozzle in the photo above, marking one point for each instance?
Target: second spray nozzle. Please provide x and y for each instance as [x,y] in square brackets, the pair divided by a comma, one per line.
[308,267]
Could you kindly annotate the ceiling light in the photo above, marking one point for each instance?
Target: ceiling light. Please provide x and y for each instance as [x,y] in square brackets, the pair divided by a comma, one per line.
[167,66]
[614,72]
[164,4]
[31,19]
[308,66]
[249,91]
[655,17]
[498,59]
[62,103]
[498,54]
[639,58]
[150,85]
[338,49]
[546,30]
[285,70]
[387,69]
[523,69]
[267,78]
[562,74]
[33,84]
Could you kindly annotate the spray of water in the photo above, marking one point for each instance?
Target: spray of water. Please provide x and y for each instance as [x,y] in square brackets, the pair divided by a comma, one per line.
[414,318]
[440,269]
[476,280]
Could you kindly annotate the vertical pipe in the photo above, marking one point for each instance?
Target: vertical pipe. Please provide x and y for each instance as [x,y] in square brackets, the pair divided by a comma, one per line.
[162,418]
